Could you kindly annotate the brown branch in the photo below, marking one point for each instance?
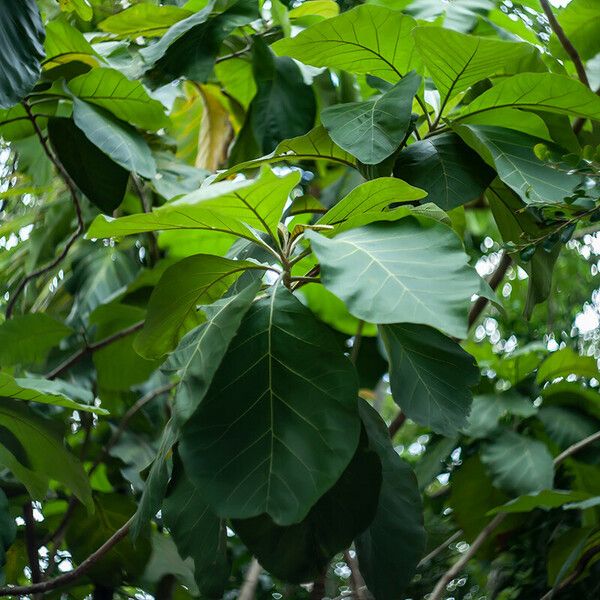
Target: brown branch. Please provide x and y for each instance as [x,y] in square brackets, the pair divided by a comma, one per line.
[396,424]
[248,589]
[71,576]
[565,42]
[91,348]
[80,225]
[359,587]
[31,544]
[423,562]
[576,448]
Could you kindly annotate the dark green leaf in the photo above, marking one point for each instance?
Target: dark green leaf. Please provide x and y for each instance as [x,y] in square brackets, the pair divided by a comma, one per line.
[546,500]
[8,532]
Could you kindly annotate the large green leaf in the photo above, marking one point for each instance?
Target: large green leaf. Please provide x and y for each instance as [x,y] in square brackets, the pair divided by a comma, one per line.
[512,155]
[34,451]
[27,339]
[44,391]
[21,46]
[8,531]
[127,100]
[545,500]
[370,198]
[373,130]
[279,423]
[580,20]
[538,91]
[460,15]
[284,106]
[83,160]
[566,362]
[116,139]
[198,533]
[457,61]
[430,376]
[143,19]
[410,271]
[228,206]
[366,39]
[200,352]
[390,549]
[517,463]
[446,168]
[300,552]
[197,280]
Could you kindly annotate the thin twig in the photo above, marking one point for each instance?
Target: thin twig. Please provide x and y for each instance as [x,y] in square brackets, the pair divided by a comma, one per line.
[576,448]
[80,225]
[565,42]
[443,546]
[357,341]
[359,587]
[31,544]
[236,54]
[71,576]
[91,348]
[248,589]
[396,424]
[147,208]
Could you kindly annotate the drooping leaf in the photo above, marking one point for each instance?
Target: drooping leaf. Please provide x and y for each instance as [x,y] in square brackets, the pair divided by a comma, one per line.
[456,61]
[566,362]
[83,160]
[390,549]
[430,376]
[512,155]
[200,352]
[21,46]
[215,129]
[123,144]
[126,100]
[370,198]
[446,168]
[284,106]
[373,129]
[545,499]
[200,279]
[27,339]
[143,19]
[300,552]
[366,267]
[538,91]
[366,39]
[44,391]
[198,533]
[34,451]
[291,423]
[228,207]
[518,464]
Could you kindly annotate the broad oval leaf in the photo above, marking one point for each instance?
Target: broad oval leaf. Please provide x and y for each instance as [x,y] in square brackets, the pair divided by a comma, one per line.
[280,423]
[21,47]
[410,271]
[390,549]
[373,130]
[430,376]
[366,39]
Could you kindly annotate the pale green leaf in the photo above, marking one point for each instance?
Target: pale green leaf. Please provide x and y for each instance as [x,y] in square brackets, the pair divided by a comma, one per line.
[566,362]
[143,19]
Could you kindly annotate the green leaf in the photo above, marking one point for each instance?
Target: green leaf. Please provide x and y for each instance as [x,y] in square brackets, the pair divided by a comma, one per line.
[390,549]
[538,91]
[198,533]
[127,100]
[8,532]
[27,339]
[580,20]
[460,15]
[200,352]
[143,19]
[45,391]
[430,376]
[34,451]
[81,7]
[418,262]
[433,462]
[373,129]
[456,61]
[366,39]
[118,140]
[369,199]
[488,409]
[197,280]
[300,552]
[545,499]
[21,46]
[284,106]
[513,157]
[230,207]
[83,160]
[189,48]
[290,426]
[566,362]
[518,464]
[65,44]
[446,168]
[566,426]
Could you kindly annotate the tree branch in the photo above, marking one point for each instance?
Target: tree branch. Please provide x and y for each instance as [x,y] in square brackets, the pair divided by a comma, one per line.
[576,448]
[80,225]
[71,576]
[396,424]
[31,544]
[91,348]
[439,549]
[248,589]
[565,42]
